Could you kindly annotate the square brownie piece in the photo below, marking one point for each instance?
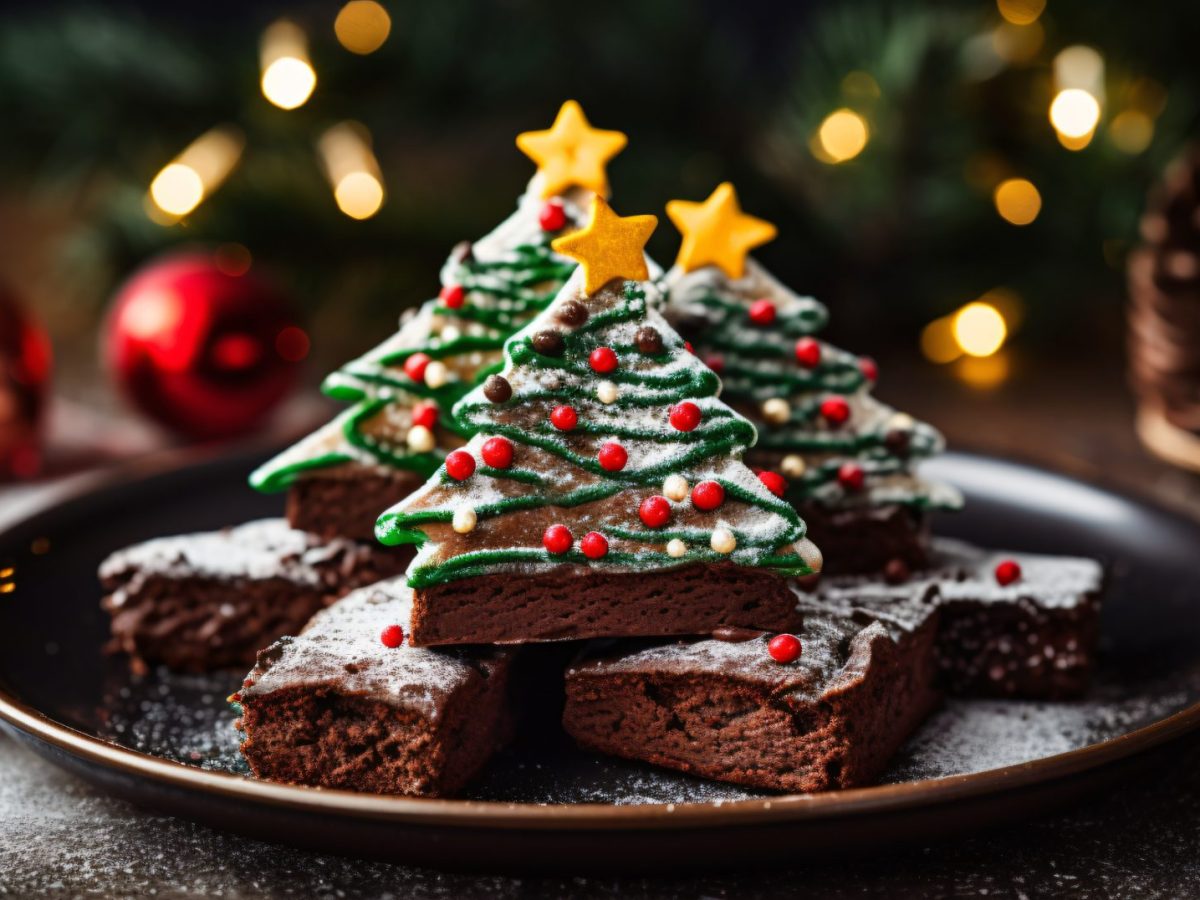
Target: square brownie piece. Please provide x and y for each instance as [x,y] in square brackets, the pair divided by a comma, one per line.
[198,602]
[335,707]
[725,709]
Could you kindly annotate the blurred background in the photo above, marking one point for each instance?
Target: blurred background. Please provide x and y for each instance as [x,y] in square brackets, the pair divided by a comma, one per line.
[964,185]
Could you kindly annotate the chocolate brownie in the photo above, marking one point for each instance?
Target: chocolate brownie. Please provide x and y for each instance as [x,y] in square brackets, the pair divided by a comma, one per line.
[571,604]
[1033,638]
[345,501]
[205,601]
[725,709]
[335,707]
[865,539]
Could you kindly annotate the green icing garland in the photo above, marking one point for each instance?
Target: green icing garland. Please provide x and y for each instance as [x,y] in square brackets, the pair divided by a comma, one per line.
[722,432]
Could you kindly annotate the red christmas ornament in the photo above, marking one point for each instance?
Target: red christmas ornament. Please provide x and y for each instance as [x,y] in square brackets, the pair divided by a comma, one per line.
[851,477]
[594,545]
[1007,571]
[24,380]
[602,360]
[685,416]
[453,296]
[612,457]
[552,216]
[773,481]
[784,648]
[687,345]
[201,346]
[715,362]
[564,418]
[835,410]
[425,413]
[392,636]
[708,495]
[762,312]
[808,352]
[460,465]
[869,368]
[497,452]
[655,511]
[415,366]
[557,539]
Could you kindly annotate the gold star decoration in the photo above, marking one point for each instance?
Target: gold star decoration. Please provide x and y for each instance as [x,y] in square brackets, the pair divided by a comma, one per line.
[609,246]
[717,232]
[571,152]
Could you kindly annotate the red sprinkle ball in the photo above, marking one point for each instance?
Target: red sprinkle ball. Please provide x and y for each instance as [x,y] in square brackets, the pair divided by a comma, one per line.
[612,457]
[851,477]
[414,366]
[762,312]
[784,648]
[1007,571]
[552,216]
[685,416]
[714,362]
[687,345]
[773,482]
[453,295]
[655,511]
[392,636]
[602,360]
[808,352]
[460,465]
[707,495]
[835,410]
[425,413]
[594,545]
[564,418]
[869,368]
[497,452]
[557,539]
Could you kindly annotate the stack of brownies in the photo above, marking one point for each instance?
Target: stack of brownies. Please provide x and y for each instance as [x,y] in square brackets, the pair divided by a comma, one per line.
[591,485]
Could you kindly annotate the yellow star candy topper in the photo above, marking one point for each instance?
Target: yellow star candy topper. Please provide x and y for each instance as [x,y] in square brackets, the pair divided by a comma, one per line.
[717,232]
[609,246]
[571,152]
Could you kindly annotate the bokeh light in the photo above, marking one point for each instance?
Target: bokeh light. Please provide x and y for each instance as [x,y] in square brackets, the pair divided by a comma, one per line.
[1021,12]
[359,195]
[1131,131]
[937,341]
[352,170]
[362,26]
[1075,114]
[177,189]
[1017,201]
[195,173]
[288,78]
[843,135]
[979,329]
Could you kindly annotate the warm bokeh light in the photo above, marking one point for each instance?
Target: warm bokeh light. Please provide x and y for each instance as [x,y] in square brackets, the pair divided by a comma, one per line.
[1079,67]
[352,170]
[983,373]
[1131,131]
[288,78]
[1021,12]
[359,195]
[843,135]
[362,26]
[937,341]
[979,329]
[198,171]
[1017,43]
[1017,201]
[1075,114]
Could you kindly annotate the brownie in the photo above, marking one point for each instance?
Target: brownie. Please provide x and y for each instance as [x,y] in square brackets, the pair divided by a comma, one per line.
[205,601]
[334,707]
[865,539]
[1035,638]
[724,709]
[346,501]
[586,603]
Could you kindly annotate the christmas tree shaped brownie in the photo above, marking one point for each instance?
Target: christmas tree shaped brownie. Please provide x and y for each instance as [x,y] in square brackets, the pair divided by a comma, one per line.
[398,429]
[842,458]
[604,493]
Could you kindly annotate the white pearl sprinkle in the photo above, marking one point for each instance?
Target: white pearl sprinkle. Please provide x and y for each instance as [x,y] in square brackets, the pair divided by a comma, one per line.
[723,540]
[676,548]
[464,519]
[450,333]
[606,392]
[793,465]
[675,488]
[810,553]
[901,422]
[421,439]
[436,374]
[776,410]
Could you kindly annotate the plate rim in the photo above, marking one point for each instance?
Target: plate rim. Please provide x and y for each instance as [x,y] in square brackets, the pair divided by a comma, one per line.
[511,815]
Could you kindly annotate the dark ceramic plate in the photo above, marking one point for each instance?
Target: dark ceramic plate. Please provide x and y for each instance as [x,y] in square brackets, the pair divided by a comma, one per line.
[166,741]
